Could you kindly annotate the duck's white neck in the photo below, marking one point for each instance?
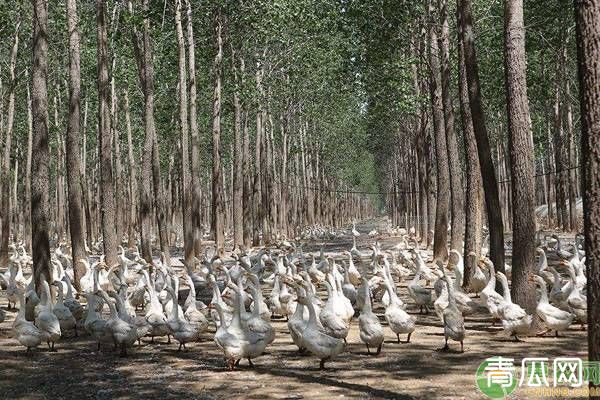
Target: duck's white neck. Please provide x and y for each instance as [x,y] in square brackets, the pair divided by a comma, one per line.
[504,283]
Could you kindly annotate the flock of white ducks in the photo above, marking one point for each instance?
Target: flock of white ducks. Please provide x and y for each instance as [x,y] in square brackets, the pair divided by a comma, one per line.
[135,299]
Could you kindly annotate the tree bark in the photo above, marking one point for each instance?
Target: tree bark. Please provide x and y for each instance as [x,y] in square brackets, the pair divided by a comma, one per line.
[73,166]
[521,157]
[187,217]
[474,198]
[195,137]
[27,194]
[440,246]
[39,164]
[133,188]
[572,157]
[247,188]
[587,15]
[488,173]
[238,176]
[218,211]
[455,170]
[560,150]
[6,215]
[143,54]
[107,198]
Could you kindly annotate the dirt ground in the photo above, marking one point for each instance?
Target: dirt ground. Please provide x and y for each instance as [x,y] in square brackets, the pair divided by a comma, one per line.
[158,371]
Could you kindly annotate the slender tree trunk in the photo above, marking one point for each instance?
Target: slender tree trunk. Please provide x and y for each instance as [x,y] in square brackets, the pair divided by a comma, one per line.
[218,211]
[107,198]
[27,194]
[560,150]
[238,200]
[6,215]
[247,187]
[133,190]
[488,173]
[521,157]
[440,246]
[72,146]
[456,185]
[39,164]
[160,204]
[587,15]
[195,137]
[116,137]
[572,161]
[474,198]
[143,52]
[188,222]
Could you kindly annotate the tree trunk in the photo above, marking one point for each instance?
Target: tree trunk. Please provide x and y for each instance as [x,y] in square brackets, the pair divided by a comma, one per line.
[218,211]
[560,150]
[187,217]
[27,194]
[238,199]
[107,198]
[474,198]
[521,157]
[587,15]
[160,201]
[6,156]
[39,164]
[572,179]
[133,190]
[247,188]
[456,187]
[488,173]
[143,54]
[440,246]
[72,146]
[195,137]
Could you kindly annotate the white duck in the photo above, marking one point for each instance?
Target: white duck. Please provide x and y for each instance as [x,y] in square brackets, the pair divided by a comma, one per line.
[182,330]
[554,318]
[559,292]
[255,323]
[237,341]
[63,313]
[348,288]
[297,322]
[353,274]
[13,288]
[45,319]
[86,283]
[492,299]
[576,300]
[74,306]
[127,313]
[370,329]
[25,331]
[514,319]
[398,319]
[94,325]
[123,334]
[454,323]
[154,316]
[332,315]
[426,272]
[258,301]
[421,295]
[318,343]
[478,281]
[192,313]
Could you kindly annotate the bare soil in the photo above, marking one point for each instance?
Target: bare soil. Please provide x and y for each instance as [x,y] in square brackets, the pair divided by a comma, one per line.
[158,371]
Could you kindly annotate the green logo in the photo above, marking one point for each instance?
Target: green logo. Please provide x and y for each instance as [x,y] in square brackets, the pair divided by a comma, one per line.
[496,377]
